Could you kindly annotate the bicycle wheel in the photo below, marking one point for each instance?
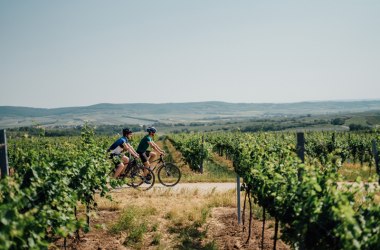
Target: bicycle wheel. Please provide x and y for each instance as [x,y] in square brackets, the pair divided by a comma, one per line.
[141,177]
[169,174]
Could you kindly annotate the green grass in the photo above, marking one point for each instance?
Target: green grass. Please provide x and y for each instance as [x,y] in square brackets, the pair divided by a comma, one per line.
[356,120]
[373,120]
[133,221]
[211,173]
[350,172]
[191,236]
[191,226]
[156,239]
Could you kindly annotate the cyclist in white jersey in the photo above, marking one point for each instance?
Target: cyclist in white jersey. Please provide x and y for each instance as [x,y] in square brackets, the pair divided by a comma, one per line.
[117,150]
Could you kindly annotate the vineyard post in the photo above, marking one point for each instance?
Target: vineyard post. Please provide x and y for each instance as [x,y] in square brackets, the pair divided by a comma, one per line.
[301,146]
[3,154]
[202,156]
[238,197]
[376,155]
[301,149]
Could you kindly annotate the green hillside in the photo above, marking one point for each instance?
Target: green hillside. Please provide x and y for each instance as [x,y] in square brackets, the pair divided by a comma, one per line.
[172,113]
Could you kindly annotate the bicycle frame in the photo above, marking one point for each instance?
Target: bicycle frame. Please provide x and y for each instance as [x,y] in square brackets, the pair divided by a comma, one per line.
[133,170]
[157,162]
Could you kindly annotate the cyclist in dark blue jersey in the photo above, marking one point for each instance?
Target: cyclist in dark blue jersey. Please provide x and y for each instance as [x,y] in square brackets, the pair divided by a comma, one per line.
[117,150]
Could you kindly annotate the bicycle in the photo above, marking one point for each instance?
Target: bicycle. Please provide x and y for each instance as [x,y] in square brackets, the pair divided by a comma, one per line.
[168,173]
[138,176]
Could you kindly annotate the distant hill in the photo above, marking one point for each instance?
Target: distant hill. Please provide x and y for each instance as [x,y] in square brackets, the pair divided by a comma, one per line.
[145,113]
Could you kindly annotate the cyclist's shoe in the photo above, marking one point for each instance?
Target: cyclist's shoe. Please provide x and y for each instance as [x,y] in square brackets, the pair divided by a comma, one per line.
[133,175]
[148,177]
[146,181]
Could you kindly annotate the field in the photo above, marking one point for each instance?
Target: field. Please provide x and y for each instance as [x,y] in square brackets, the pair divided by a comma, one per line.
[61,194]
[198,117]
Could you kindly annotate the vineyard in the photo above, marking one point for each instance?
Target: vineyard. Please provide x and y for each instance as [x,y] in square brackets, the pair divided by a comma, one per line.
[312,205]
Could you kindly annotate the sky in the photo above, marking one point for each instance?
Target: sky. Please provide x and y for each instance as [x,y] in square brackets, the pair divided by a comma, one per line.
[79,53]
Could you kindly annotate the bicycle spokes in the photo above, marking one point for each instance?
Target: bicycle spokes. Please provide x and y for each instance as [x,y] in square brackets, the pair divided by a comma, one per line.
[169,174]
[141,178]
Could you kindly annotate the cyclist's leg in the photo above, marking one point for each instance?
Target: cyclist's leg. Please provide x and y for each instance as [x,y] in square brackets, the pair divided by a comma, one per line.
[145,160]
[140,180]
[152,156]
[121,166]
[144,156]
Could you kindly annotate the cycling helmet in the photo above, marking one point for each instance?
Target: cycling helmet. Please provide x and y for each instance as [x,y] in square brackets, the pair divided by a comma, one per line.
[151,130]
[126,131]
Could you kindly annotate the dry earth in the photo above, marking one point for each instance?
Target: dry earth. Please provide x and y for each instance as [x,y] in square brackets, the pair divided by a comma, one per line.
[174,220]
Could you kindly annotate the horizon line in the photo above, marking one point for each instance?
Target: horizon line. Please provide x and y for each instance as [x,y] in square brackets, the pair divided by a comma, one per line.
[163,103]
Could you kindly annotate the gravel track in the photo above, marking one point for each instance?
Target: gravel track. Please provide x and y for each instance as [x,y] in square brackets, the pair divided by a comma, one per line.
[202,186]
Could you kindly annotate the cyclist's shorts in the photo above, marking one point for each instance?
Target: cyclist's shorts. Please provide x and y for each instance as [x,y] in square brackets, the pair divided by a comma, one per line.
[144,156]
[116,159]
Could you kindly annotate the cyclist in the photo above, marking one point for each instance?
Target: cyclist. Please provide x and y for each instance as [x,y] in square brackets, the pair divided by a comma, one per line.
[117,150]
[145,142]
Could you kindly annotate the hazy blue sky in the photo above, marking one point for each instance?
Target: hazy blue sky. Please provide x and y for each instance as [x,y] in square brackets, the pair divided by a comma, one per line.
[78,53]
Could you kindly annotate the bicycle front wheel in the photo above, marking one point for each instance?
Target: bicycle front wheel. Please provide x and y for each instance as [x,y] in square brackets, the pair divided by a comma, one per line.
[169,174]
[141,178]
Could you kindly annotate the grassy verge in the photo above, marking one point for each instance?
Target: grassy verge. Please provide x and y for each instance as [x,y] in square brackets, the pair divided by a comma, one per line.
[190,225]
[134,222]
[211,173]
[351,171]
[166,219]
[217,169]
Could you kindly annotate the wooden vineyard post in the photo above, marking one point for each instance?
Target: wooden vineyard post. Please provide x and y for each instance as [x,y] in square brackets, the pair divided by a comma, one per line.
[238,198]
[300,150]
[376,155]
[301,146]
[201,165]
[3,154]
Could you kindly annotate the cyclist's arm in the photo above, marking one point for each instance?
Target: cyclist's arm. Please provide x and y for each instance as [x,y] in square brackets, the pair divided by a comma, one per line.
[129,148]
[156,147]
[135,154]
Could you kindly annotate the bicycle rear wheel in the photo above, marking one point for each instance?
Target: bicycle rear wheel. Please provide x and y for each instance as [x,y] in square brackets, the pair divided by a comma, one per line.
[141,177]
[169,174]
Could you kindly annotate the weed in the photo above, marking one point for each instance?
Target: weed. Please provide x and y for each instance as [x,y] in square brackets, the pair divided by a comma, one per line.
[205,212]
[156,239]
[169,215]
[211,246]
[133,221]
[155,227]
[350,171]
[108,205]
[99,226]
[226,199]
[126,220]
[196,192]
[190,237]
[136,234]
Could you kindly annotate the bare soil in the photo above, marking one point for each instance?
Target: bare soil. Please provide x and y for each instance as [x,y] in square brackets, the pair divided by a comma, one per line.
[220,230]
[228,234]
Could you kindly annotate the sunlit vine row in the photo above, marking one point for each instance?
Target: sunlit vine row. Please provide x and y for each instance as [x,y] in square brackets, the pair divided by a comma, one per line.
[51,176]
[304,199]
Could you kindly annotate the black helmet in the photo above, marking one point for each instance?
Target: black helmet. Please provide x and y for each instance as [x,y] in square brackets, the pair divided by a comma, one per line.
[126,131]
[151,130]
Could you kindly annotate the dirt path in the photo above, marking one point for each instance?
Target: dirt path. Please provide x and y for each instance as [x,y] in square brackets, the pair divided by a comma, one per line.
[206,187]
[202,187]
[372,186]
